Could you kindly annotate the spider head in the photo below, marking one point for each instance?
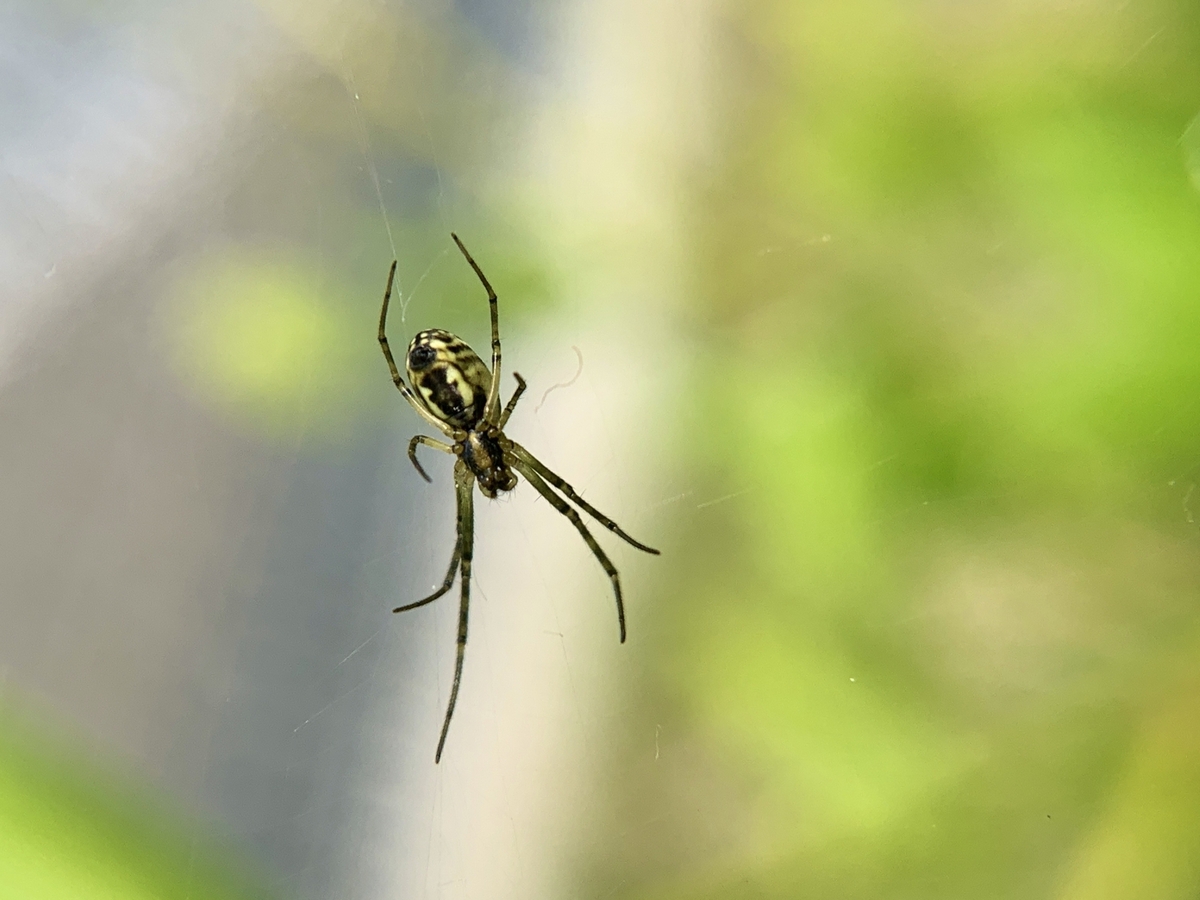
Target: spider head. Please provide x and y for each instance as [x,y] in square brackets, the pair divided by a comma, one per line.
[449,377]
[485,458]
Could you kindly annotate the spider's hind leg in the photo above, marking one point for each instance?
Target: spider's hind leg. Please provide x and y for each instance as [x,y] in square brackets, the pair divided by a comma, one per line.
[403,388]
[493,397]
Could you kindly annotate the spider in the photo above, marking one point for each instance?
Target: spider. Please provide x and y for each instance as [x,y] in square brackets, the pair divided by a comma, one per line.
[454,392]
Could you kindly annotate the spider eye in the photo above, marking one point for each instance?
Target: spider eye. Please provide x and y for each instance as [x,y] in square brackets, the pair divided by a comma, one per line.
[421,356]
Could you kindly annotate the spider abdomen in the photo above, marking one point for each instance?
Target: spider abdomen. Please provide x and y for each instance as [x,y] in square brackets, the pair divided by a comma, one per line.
[449,376]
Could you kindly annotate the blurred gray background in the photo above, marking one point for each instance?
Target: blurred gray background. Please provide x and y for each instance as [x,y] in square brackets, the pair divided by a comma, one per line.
[206,514]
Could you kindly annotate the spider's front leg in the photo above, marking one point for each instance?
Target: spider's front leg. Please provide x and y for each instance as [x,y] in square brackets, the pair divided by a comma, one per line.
[563,507]
[464,482]
[534,463]
[446,582]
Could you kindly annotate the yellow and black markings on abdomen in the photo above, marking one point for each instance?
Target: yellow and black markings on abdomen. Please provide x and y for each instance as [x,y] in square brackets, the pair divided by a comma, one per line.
[449,376]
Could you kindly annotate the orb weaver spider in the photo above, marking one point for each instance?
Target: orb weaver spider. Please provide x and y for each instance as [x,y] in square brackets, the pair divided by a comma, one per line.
[454,392]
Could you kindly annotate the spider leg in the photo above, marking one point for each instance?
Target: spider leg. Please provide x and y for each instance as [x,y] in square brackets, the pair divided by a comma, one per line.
[428,442]
[532,462]
[512,402]
[563,507]
[493,400]
[449,580]
[387,354]
[465,483]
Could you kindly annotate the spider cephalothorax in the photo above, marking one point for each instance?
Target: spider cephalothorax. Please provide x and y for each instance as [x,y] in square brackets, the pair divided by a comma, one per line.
[483,454]
[455,392]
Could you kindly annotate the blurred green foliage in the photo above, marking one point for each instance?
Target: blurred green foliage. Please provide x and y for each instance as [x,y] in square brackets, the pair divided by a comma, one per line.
[286,349]
[263,338]
[942,640]
[69,831]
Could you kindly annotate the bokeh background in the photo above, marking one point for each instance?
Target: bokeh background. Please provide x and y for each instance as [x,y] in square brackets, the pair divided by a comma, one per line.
[881,319]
